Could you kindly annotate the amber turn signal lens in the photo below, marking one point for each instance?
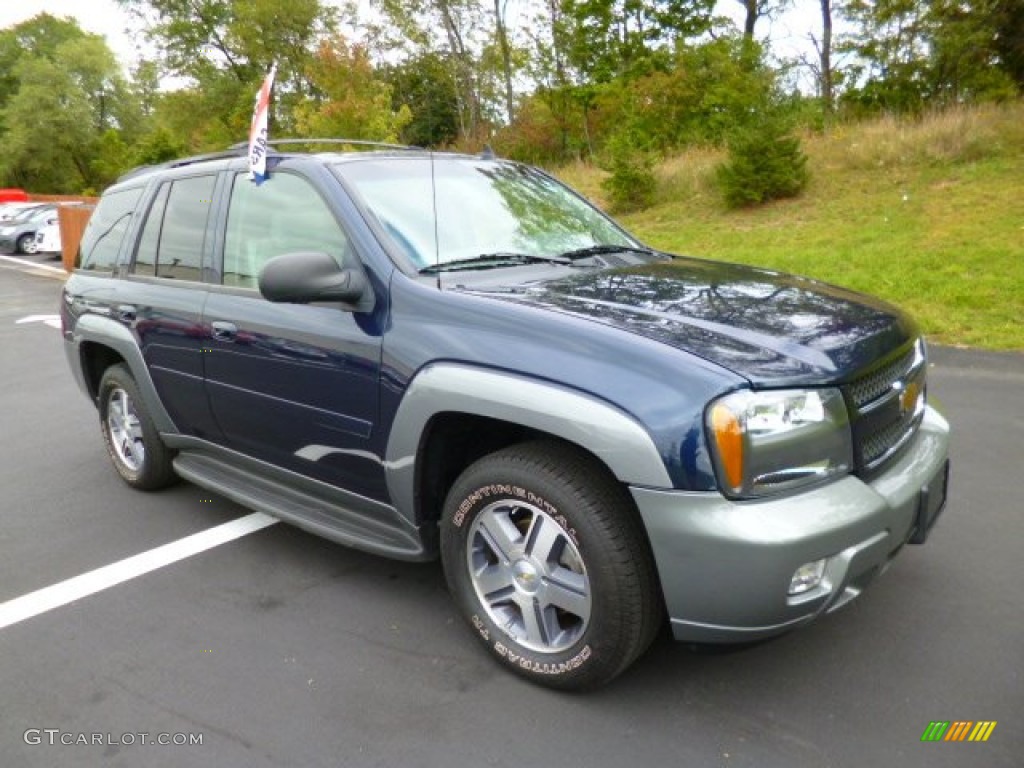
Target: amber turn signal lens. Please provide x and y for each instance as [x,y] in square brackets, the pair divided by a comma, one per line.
[729,442]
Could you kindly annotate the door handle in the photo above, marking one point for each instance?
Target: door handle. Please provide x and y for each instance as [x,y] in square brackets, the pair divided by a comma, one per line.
[223,331]
[126,313]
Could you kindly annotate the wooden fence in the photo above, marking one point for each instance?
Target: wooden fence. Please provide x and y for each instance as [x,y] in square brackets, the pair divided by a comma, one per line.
[73,214]
[72,220]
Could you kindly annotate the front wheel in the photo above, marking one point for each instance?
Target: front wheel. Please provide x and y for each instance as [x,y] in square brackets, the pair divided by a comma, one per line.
[545,555]
[26,244]
[132,440]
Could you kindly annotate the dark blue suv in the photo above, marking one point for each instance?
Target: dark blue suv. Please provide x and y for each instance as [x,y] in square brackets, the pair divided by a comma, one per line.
[428,355]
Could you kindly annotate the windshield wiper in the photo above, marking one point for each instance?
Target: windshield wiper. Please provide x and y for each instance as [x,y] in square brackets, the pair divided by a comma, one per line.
[597,250]
[492,261]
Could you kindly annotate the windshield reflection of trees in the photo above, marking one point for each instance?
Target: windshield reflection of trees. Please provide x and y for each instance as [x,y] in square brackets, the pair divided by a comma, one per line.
[548,218]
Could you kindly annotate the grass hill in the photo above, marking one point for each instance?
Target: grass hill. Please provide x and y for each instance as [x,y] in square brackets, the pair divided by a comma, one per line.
[927,213]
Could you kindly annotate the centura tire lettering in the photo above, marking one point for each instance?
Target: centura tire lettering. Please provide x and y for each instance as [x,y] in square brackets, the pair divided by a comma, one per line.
[546,667]
[500,489]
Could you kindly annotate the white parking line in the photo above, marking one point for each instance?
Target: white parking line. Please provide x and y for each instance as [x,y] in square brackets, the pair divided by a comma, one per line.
[34,265]
[64,592]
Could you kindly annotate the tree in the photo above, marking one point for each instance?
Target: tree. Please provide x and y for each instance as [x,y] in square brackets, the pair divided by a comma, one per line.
[824,49]
[755,10]
[77,87]
[38,37]
[765,163]
[501,32]
[625,38]
[1008,22]
[423,84]
[226,47]
[458,33]
[353,102]
[913,54]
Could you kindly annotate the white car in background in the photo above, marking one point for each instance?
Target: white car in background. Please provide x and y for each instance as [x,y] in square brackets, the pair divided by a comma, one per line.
[10,211]
[48,239]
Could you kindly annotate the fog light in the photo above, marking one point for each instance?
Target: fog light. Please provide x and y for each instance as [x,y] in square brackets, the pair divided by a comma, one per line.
[807,577]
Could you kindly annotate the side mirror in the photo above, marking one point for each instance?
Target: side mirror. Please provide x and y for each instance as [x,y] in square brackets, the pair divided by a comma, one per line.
[306,276]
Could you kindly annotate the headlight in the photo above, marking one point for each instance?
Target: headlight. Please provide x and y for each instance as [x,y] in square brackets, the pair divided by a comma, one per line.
[764,442]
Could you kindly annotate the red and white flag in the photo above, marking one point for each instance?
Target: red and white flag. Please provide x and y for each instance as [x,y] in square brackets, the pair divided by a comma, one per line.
[258,130]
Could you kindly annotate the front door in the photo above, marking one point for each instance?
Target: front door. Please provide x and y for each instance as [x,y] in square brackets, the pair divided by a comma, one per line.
[294,385]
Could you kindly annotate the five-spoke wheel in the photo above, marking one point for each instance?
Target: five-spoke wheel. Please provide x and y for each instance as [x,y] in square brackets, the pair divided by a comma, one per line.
[545,555]
[529,576]
[125,430]
[132,440]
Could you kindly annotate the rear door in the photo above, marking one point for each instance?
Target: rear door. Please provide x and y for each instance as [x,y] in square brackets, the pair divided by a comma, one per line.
[293,385]
[167,295]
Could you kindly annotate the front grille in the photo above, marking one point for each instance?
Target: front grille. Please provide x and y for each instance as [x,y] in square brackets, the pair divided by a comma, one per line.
[887,406]
[875,446]
[874,385]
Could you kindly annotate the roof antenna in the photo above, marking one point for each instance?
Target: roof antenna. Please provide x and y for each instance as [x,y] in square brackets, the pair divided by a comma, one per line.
[488,153]
[433,202]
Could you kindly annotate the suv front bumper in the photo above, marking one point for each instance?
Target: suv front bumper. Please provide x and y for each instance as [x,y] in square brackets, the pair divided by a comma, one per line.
[726,566]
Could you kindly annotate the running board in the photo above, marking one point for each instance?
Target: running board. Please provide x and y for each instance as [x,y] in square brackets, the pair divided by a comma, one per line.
[376,528]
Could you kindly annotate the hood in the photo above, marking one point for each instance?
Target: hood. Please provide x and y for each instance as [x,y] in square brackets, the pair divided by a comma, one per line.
[773,329]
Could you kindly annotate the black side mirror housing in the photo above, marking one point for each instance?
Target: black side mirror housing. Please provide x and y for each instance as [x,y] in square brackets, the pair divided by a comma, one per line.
[308,276]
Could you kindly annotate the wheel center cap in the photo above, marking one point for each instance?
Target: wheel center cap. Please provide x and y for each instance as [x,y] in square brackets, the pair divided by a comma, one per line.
[526,575]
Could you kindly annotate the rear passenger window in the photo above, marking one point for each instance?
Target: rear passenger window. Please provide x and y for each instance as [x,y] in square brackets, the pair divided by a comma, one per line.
[283,215]
[172,238]
[145,256]
[106,229]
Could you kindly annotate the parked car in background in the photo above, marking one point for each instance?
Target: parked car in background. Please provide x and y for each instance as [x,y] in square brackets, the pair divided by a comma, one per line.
[10,211]
[18,235]
[48,239]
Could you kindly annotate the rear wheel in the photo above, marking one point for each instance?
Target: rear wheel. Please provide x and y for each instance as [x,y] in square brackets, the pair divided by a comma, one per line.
[25,244]
[132,441]
[545,555]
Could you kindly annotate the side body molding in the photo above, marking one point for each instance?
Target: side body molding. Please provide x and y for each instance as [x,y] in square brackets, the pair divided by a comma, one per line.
[609,433]
[107,332]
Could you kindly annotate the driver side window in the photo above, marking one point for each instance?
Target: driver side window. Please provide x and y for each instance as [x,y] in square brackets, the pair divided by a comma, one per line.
[285,214]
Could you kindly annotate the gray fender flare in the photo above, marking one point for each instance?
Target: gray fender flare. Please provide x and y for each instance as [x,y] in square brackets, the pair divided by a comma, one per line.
[612,435]
[109,333]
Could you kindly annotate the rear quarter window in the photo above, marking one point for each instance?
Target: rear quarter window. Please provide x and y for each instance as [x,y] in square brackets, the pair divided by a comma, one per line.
[106,229]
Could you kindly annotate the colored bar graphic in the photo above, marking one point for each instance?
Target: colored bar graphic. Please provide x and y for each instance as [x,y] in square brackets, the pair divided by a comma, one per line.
[982,730]
[958,730]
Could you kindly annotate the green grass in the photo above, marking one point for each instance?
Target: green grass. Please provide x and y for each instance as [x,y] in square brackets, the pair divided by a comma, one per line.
[928,214]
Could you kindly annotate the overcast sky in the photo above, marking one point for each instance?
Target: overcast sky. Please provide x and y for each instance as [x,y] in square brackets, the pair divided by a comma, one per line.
[788,34]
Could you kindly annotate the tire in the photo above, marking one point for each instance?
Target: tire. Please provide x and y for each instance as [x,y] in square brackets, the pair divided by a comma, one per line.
[136,450]
[24,243]
[546,557]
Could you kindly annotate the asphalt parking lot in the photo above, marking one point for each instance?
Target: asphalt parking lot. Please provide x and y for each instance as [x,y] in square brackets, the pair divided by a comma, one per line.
[280,649]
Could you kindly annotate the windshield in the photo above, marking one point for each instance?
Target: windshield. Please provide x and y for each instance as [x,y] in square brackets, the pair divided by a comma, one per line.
[31,215]
[10,214]
[483,207]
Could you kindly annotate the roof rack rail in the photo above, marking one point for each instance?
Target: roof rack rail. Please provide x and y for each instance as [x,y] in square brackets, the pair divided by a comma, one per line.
[204,158]
[231,151]
[352,142]
[242,148]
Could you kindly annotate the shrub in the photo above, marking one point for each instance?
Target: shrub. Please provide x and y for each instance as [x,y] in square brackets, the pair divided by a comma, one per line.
[631,184]
[764,163]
